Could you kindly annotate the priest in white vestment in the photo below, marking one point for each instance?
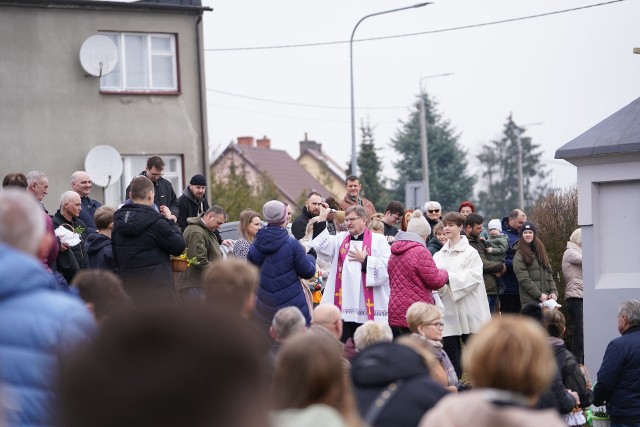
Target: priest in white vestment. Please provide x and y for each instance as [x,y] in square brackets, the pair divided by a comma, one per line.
[359,282]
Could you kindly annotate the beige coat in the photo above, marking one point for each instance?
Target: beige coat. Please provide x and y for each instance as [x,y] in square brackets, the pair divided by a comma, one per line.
[572,271]
[471,408]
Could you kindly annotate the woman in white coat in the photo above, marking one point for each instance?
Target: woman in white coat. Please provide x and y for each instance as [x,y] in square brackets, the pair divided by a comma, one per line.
[466,308]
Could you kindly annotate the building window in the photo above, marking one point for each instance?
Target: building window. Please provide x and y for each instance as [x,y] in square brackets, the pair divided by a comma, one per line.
[146,63]
[133,165]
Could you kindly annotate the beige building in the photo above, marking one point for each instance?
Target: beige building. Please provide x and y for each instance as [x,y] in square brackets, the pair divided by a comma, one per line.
[53,112]
[322,167]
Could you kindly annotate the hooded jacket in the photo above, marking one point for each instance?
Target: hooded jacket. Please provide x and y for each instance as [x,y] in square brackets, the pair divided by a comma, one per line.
[534,279]
[572,271]
[381,364]
[99,252]
[142,241]
[202,245]
[282,261]
[489,268]
[189,207]
[38,326]
[412,276]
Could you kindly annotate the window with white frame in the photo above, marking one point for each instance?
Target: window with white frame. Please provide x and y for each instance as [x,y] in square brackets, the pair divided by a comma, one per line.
[133,165]
[146,63]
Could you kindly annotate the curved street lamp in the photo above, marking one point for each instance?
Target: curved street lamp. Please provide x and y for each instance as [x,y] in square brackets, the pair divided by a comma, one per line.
[354,158]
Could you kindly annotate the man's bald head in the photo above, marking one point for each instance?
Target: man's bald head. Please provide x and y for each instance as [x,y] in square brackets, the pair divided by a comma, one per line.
[329,317]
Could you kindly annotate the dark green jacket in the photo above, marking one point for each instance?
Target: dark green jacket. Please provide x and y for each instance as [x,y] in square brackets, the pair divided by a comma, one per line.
[489,268]
[203,245]
[533,280]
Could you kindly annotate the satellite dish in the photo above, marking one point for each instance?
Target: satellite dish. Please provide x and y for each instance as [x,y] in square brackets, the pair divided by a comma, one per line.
[104,164]
[98,55]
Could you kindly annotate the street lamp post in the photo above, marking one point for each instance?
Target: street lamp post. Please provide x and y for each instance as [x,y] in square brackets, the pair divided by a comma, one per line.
[354,154]
[423,136]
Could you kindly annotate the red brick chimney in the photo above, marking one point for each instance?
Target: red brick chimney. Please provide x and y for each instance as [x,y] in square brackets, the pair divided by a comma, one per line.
[245,140]
[263,143]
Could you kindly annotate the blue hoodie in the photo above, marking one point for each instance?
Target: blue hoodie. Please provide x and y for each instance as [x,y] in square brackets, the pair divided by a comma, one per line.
[282,261]
[38,325]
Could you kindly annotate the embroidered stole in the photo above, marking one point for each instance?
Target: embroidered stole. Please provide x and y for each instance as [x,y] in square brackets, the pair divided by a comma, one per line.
[368,292]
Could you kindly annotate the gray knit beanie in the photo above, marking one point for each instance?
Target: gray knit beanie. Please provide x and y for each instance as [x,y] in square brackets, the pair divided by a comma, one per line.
[274,212]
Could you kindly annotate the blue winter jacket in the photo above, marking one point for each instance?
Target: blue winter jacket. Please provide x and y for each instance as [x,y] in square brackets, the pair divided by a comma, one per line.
[509,278]
[38,325]
[282,261]
[619,376]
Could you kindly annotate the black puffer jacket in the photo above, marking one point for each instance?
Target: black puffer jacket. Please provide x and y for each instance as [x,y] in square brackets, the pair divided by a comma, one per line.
[142,241]
[381,364]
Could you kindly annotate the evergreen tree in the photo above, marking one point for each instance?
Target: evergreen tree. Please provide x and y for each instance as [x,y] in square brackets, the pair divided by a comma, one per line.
[235,194]
[449,181]
[370,167]
[499,165]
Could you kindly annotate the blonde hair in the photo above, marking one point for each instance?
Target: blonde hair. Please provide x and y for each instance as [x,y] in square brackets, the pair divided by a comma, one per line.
[370,333]
[510,353]
[438,228]
[420,313]
[376,225]
[576,237]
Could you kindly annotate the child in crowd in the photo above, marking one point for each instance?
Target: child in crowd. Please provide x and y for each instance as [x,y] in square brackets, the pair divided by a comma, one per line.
[376,225]
[438,240]
[98,244]
[497,246]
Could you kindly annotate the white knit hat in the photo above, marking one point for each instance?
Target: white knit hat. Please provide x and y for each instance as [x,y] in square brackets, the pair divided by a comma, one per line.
[495,223]
[418,224]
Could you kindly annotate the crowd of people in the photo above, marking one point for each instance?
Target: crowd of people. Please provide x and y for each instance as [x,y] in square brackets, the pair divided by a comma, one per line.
[340,317]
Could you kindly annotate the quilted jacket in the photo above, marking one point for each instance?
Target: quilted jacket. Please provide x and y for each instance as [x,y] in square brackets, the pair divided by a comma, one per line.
[412,276]
[38,326]
[282,261]
[572,271]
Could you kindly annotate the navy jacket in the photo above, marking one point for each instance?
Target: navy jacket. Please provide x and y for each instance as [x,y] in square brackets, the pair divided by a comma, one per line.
[142,241]
[38,326]
[89,208]
[509,278]
[381,364]
[619,376]
[99,251]
[282,261]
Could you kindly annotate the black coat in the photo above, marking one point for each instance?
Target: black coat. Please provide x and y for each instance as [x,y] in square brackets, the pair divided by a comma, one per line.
[299,225]
[381,364]
[189,207]
[142,241]
[79,251]
[100,252]
[164,194]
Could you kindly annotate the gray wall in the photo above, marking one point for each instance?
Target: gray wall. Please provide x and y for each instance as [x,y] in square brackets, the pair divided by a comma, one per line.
[609,202]
[52,114]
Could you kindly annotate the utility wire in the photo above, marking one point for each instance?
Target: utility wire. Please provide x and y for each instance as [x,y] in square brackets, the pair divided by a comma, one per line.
[297,104]
[442,30]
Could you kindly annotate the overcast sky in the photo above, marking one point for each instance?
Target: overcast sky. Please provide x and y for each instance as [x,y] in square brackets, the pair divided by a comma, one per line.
[562,73]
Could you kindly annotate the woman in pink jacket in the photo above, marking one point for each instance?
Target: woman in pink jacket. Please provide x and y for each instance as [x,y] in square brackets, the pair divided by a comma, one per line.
[412,272]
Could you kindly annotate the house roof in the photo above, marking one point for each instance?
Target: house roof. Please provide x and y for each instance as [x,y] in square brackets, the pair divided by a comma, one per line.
[289,176]
[333,166]
[190,6]
[617,134]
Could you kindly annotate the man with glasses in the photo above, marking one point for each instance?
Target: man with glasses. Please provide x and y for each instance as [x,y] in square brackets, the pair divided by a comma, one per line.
[392,215]
[164,194]
[433,211]
[359,282]
[203,246]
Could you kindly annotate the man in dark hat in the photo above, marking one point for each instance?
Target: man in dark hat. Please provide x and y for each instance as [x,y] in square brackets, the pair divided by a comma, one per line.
[193,201]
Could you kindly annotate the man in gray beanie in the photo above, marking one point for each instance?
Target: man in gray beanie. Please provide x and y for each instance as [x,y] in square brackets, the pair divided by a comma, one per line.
[282,261]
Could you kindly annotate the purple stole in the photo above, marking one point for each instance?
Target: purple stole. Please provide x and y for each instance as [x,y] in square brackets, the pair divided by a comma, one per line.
[368,292]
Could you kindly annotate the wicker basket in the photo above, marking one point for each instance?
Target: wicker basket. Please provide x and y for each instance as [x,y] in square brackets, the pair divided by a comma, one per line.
[179,265]
[600,421]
